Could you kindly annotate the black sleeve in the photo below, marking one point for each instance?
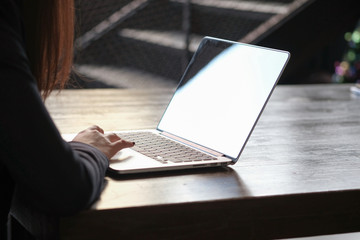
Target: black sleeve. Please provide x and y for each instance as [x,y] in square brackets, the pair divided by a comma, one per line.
[60,177]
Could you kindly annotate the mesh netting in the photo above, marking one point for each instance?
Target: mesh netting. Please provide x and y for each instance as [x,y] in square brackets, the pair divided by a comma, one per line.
[120,40]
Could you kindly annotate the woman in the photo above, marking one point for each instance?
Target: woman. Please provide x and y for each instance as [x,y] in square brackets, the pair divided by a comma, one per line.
[36,45]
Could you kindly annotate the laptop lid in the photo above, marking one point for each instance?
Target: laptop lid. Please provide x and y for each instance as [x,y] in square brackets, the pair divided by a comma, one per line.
[222,94]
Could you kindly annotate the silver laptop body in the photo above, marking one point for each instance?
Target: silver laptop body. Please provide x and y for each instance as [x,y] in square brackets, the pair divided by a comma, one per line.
[214,109]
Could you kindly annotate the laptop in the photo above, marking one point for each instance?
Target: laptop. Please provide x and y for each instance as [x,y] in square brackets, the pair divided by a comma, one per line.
[212,113]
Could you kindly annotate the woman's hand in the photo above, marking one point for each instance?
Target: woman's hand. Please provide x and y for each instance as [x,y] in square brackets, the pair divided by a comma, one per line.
[109,143]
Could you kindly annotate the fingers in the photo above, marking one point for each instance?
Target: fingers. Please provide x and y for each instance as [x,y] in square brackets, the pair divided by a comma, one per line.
[108,143]
[117,142]
[112,137]
[96,128]
[121,144]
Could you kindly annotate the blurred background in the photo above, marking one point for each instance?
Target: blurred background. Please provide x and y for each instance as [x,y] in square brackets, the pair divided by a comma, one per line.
[148,43]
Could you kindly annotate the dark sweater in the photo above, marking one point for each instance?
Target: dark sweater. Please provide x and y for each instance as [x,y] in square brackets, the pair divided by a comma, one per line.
[57,177]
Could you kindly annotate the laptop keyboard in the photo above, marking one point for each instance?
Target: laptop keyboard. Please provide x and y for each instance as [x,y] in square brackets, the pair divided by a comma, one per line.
[162,149]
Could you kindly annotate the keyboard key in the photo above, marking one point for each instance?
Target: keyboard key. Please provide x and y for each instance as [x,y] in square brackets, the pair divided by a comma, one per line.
[163,149]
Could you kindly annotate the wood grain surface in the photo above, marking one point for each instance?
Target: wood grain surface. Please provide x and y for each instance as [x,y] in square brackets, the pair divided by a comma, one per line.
[299,174]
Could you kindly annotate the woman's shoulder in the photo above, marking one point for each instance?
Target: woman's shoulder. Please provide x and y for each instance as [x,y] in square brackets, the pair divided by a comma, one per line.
[10,15]
[13,58]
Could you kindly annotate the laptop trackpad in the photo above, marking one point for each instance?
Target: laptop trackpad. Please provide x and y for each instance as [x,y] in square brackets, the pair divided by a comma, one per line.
[130,159]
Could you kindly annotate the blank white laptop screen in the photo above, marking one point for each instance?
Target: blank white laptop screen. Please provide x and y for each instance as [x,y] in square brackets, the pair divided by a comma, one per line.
[222,94]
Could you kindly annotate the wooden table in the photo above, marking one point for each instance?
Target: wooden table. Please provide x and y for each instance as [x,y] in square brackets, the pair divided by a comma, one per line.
[299,174]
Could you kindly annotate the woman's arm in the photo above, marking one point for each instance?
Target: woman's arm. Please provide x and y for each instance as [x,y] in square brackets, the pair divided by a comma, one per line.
[59,177]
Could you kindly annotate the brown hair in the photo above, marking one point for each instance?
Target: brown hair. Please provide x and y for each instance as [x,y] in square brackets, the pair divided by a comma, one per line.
[49,28]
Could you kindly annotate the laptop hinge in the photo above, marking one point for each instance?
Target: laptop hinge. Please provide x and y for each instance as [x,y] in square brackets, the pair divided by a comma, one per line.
[179,139]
